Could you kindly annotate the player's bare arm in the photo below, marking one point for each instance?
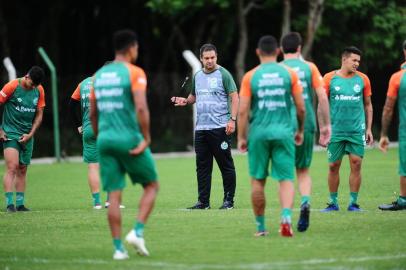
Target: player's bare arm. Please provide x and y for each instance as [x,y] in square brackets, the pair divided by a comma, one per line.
[142,111]
[93,115]
[35,125]
[323,116]
[230,128]
[242,121]
[300,114]
[181,101]
[387,115]
[368,116]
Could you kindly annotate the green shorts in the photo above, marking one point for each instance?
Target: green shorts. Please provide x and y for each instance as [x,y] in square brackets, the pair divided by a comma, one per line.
[90,153]
[280,152]
[115,161]
[304,152]
[24,150]
[402,157]
[337,149]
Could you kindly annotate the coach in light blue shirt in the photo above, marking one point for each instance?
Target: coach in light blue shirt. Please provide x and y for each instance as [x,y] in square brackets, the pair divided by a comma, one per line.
[213,88]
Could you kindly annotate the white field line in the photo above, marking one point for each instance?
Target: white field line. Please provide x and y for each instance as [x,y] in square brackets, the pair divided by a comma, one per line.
[76,159]
[167,265]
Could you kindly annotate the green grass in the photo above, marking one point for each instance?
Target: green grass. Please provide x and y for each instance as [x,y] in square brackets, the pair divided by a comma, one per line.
[63,232]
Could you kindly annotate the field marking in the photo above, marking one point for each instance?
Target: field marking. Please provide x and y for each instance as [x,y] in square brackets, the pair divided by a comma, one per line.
[180,266]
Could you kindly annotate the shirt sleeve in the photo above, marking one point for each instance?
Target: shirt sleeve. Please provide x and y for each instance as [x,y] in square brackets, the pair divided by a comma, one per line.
[367,85]
[327,79]
[138,78]
[8,90]
[317,79]
[41,100]
[394,84]
[193,86]
[76,93]
[228,81]
[245,90]
[296,85]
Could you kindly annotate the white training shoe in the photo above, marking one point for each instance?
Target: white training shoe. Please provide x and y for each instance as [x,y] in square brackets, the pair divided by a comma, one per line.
[97,207]
[120,255]
[137,242]
[107,204]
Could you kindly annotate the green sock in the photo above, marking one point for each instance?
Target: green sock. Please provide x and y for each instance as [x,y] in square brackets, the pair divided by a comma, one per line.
[19,198]
[260,221]
[402,200]
[96,198]
[286,215]
[118,245]
[333,198]
[139,229]
[9,198]
[353,197]
[305,199]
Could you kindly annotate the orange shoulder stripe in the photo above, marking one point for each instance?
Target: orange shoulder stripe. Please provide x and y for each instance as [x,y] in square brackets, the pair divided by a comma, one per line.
[8,90]
[245,90]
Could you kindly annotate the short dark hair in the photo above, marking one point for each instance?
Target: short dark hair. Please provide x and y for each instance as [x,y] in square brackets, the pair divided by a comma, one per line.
[36,74]
[291,42]
[404,45]
[349,50]
[268,45]
[207,47]
[123,39]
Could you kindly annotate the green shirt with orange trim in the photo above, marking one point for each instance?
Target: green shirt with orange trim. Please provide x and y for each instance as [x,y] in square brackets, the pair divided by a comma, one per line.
[397,89]
[20,107]
[82,94]
[346,96]
[113,86]
[310,79]
[270,87]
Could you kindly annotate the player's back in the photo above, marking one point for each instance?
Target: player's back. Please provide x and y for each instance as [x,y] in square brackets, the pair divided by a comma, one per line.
[271,102]
[117,122]
[399,79]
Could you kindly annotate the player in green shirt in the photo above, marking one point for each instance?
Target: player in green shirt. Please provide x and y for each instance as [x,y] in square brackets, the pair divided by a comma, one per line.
[312,84]
[267,95]
[24,103]
[349,94]
[120,119]
[396,91]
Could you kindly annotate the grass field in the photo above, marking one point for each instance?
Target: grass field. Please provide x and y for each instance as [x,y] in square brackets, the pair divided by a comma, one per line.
[64,232]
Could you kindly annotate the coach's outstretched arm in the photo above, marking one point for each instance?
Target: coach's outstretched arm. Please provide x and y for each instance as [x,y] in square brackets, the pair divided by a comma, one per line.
[181,101]
[142,111]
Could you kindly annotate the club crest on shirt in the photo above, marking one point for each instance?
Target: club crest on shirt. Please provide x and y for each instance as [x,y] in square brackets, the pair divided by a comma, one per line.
[35,101]
[19,100]
[224,145]
[357,88]
[212,82]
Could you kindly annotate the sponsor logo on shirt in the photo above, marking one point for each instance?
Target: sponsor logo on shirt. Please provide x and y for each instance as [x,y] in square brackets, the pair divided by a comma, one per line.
[347,98]
[19,100]
[337,88]
[24,109]
[35,101]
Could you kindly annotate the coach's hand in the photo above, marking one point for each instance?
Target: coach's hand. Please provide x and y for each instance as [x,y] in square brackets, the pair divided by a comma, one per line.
[24,138]
[369,137]
[139,149]
[384,144]
[325,135]
[3,136]
[230,128]
[179,101]
[299,137]
[242,145]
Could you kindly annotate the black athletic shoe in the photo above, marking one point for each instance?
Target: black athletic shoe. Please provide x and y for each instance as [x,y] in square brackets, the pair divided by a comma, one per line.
[303,222]
[394,206]
[10,208]
[200,205]
[22,208]
[227,205]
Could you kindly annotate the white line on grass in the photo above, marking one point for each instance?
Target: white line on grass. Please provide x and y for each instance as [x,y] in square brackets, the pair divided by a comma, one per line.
[179,266]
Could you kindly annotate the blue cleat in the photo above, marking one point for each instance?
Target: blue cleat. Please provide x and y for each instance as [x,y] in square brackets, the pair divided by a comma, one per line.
[354,208]
[331,207]
[303,223]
